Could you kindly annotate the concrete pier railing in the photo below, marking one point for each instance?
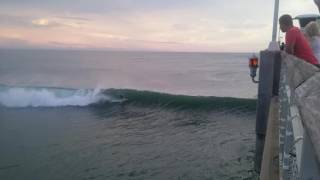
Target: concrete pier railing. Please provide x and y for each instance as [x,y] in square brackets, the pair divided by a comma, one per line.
[292,145]
[299,119]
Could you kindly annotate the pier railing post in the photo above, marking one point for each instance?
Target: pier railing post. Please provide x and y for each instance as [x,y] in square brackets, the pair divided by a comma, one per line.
[269,77]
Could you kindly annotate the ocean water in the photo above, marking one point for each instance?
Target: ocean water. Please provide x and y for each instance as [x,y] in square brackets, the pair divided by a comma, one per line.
[125,115]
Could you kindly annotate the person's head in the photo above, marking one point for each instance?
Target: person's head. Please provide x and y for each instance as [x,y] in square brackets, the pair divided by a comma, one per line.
[285,22]
[312,29]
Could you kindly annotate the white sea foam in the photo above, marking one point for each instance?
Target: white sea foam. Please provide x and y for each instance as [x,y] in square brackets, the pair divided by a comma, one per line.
[50,97]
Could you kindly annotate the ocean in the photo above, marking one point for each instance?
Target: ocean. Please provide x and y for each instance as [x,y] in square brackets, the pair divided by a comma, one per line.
[95,115]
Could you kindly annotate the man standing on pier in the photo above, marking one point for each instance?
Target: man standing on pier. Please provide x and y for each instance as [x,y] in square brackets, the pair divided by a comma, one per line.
[296,43]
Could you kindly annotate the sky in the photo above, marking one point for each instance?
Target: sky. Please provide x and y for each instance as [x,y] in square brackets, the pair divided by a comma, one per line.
[155,25]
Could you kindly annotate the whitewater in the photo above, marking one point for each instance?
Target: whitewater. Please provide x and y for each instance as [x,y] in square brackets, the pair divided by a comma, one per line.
[51,97]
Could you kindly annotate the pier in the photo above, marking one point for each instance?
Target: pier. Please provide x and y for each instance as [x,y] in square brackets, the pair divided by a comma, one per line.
[288,118]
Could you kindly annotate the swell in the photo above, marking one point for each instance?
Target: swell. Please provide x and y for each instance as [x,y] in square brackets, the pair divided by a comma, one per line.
[148,98]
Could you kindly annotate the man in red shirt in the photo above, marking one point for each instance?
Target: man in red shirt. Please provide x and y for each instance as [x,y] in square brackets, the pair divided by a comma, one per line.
[296,43]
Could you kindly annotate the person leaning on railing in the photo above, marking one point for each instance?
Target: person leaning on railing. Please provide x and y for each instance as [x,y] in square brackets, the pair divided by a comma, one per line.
[295,41]
[313,35]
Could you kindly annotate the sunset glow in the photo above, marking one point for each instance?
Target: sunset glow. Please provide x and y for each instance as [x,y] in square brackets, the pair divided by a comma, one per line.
[143,24]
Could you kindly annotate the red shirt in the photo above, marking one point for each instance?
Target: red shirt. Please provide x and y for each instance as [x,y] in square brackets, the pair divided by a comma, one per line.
[300,44]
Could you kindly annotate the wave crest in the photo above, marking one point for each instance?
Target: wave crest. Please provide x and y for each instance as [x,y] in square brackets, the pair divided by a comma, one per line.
[54,97]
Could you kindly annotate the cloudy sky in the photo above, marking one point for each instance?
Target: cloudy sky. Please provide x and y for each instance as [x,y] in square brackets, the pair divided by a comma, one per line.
[165,25]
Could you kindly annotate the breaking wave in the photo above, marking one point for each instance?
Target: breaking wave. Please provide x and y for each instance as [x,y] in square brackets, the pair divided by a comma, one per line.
[50,97]
[54,97]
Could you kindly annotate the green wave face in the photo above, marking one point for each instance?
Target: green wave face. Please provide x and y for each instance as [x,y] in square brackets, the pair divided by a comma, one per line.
[146,98]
